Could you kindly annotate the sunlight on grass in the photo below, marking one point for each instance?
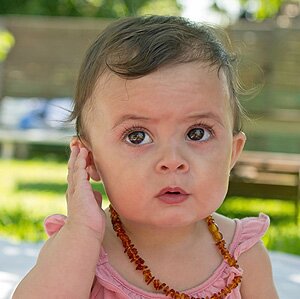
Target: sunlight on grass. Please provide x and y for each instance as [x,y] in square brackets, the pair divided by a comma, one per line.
[32,190]
[283,234]
[252,207]
[29,192]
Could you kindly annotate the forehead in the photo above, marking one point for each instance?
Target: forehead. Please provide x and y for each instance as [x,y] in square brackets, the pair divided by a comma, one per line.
[169,91]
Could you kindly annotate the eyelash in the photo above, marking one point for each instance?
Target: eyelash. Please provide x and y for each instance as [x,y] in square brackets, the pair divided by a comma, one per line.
[134,128]
[131,129]
[203,125]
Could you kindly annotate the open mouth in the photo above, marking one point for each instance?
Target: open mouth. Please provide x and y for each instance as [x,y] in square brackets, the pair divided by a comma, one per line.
[172,190]
[172,195]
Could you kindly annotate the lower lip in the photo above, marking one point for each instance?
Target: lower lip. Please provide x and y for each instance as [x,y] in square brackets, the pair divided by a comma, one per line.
[173,198]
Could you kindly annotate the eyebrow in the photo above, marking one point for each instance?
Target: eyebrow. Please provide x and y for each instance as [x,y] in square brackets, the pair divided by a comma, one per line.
[130,117]
[210,115]
[127,117]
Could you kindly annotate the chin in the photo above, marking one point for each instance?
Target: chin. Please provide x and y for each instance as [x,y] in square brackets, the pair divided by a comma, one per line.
[176,221]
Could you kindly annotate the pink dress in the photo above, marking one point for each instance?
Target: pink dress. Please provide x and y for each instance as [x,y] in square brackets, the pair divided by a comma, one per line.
[109,284]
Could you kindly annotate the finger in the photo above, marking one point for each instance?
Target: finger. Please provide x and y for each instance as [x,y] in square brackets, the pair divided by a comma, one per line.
[80,175]
[80,165]
[73,154]
[71,163]
[98,198]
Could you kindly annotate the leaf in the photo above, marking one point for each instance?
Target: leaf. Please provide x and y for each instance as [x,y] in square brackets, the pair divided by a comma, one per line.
[7,41]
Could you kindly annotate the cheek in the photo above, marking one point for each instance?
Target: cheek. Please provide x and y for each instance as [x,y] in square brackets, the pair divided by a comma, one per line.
[118,170]
[215,180]
[222,161]
[214,166]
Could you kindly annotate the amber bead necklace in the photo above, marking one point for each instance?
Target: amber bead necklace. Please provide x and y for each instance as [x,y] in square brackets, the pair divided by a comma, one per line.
[134,257]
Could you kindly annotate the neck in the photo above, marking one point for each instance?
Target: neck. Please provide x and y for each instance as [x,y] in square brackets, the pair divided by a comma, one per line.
[163,238]
[133,255]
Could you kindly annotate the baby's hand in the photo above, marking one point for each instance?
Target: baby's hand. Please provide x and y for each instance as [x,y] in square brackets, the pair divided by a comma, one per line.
[66,264]
[84,204]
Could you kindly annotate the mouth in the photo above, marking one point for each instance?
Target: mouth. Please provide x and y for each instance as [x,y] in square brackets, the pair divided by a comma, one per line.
[172,195]
[172,190]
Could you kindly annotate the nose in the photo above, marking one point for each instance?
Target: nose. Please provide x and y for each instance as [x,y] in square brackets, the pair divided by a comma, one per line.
[172,161]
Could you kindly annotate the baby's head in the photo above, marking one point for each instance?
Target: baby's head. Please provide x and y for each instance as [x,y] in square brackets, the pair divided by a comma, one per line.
[156,107]
[134,47]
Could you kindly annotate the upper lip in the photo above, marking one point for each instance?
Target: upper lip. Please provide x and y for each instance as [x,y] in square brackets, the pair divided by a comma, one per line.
[172,190]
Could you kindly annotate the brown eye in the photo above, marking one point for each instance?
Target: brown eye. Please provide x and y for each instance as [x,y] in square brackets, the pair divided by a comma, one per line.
[138,138]
[199,134]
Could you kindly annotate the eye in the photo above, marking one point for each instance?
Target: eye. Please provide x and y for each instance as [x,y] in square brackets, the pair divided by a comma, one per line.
[199,134]
[137,138]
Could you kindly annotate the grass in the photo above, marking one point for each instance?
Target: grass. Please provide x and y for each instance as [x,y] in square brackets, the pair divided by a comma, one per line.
[31,190]
[283,234]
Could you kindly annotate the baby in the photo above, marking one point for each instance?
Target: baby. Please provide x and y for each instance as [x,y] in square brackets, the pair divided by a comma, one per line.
[159,123]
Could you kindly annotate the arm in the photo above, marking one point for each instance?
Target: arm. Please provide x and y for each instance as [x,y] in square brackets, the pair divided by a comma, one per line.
[66,264]
[257,281]
[65,267]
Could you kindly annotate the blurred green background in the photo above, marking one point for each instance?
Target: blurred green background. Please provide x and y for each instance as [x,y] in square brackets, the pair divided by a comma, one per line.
[41,47]
[35,188]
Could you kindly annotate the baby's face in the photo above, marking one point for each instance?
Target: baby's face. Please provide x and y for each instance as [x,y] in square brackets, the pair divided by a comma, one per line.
[171,129]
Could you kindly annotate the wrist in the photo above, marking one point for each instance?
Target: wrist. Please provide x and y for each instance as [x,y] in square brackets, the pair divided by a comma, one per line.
[83,231]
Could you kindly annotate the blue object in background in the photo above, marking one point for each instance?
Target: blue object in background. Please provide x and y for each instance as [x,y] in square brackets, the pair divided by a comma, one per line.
[48,114]
[34,119]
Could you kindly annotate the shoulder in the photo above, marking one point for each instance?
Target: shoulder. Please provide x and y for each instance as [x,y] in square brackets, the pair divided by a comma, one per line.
[227,227]
[244,236]
[257,279]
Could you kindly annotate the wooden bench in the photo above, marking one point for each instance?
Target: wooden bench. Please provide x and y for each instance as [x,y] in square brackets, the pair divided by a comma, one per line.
[267,175]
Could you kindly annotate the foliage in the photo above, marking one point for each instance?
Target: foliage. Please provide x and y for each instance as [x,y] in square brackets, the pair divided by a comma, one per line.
[7,41]
[255,9]
[263,8]
[89,8]
[32,190]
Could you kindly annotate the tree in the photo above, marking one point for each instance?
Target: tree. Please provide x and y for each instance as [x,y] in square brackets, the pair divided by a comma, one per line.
[6,43]
[256,9]
[89,8]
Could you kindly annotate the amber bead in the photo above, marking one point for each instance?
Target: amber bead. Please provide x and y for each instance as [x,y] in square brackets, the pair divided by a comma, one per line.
[213,228]
[156,283]
[217,236]
[133,256]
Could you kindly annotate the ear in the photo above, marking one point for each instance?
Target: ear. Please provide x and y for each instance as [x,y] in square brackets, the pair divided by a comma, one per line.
[91,167]
[238,143]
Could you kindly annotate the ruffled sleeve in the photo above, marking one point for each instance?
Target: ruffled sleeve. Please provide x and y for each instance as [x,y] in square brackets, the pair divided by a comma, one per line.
[54,223]
[249,231]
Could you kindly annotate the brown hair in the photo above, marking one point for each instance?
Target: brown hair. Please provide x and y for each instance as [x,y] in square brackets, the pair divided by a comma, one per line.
[136,46]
